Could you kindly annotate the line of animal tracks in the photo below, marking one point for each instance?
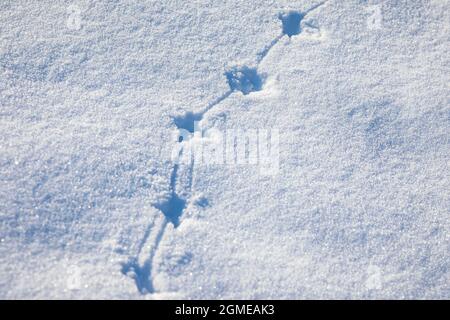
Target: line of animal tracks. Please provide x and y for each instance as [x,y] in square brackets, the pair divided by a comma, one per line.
[244,79]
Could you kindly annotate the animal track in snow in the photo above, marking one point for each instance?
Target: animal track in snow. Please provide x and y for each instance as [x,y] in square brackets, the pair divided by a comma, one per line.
[291,22]
[140,268]
[187,121]
[172,207]
[244,79]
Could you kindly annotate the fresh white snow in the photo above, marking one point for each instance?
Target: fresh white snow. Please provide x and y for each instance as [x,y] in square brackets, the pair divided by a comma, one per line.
[345,193]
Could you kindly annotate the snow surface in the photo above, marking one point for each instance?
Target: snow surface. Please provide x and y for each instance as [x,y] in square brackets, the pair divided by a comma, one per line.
[97,202]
